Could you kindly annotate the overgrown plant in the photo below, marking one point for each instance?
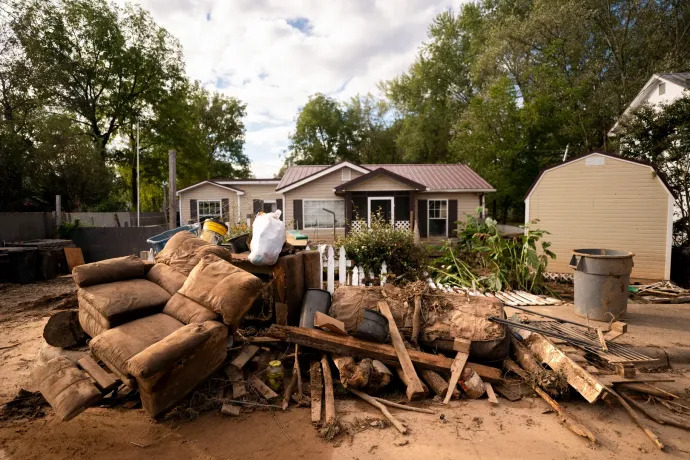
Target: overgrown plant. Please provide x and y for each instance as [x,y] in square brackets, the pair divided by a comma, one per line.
[485,258]
[370,246]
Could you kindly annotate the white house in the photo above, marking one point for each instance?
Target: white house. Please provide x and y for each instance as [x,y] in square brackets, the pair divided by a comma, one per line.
[662,88]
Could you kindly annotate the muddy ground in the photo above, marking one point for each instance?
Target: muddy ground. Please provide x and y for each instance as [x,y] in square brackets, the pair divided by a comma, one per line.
[465,429]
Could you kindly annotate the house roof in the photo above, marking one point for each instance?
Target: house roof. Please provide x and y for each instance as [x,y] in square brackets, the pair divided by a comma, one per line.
[210,182]
[435,177]
[681,79]
[606,154]
[380,172]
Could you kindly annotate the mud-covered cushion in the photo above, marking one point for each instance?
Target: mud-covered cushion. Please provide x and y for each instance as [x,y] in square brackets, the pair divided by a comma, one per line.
[116,303]
[188,311]
[108,271]
[116,346]
[166,277]
[222,287]
[184,250]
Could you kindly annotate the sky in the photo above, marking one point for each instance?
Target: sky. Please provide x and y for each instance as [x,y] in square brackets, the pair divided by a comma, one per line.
[273,54]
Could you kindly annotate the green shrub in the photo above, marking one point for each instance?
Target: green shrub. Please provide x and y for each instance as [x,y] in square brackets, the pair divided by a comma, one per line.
[238,229]
[381,242]
[66,229]
[491,261]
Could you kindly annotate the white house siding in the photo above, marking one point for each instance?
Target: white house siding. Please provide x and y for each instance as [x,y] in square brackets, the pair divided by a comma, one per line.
[206,192]
[379,183]
[468,202]
[614,205]
[672,93]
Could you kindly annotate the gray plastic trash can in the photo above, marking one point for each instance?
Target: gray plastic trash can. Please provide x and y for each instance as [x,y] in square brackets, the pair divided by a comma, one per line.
[602,277]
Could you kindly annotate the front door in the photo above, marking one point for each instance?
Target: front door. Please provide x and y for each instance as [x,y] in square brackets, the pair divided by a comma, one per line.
[383,205]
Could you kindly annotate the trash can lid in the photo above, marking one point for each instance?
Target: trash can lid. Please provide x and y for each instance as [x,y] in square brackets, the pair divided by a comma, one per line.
[603,253]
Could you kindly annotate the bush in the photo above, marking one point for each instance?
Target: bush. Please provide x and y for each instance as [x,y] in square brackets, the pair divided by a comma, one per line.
[381,242]
[489,260]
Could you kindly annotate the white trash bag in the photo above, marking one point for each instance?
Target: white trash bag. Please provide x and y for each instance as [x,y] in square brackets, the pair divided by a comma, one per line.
[268,237]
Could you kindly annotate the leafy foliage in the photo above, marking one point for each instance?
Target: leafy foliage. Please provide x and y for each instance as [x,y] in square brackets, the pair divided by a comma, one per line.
[381,242]
[661,136]
[485,258]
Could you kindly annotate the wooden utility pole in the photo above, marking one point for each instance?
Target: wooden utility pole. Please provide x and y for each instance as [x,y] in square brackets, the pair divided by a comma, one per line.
[172,189]
[58,210]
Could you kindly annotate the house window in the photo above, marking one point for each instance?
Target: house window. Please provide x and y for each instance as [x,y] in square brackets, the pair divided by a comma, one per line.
[438,217]
[315,215]
[269,206]
[662,88]
[208,208]
[345,174]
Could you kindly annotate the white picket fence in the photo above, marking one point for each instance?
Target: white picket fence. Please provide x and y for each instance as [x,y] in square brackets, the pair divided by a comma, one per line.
[354,277]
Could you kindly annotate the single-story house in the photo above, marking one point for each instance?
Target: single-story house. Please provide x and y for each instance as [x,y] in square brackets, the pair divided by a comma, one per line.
[601,200]
[318,198]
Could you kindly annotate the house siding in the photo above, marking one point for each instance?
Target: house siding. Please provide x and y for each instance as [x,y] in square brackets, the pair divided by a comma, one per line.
[255,192]
[206,192]
[468,202]
[617,205]
[379,184]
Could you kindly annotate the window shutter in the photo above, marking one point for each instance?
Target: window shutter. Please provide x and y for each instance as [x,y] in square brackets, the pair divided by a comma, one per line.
[257,204]
[297,212]
[279,205]
[225,209]
[422,217]
[192,210]
[452,218]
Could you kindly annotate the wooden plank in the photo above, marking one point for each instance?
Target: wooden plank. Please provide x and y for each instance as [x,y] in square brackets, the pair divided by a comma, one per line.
[233,374]
[414,386]
[239,389]
[262,388]
[342,269]
[329,400]
[104,380]
[245,355]
[74,257]
[330,270]
[352,346]
[229,409]
[455,371]
[490,394]
[316,385]
[323,321]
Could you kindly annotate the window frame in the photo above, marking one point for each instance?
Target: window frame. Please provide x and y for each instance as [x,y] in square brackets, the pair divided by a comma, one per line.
[198,208]
[429,218]
[662,88]
[304,214]
[391,198]
[342,175]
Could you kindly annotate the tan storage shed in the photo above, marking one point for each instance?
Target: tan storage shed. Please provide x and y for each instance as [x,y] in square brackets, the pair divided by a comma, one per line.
[601,200]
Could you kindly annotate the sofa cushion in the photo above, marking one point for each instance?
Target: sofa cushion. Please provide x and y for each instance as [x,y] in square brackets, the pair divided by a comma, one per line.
[116,346]
[108,271]
[172,246]
[116,303]
[188,311]
[222,287]
[166,277]
[184,250]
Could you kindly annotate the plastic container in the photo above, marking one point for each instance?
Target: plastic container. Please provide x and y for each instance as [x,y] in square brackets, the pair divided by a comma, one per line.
[373,327]
[314,300]
[238,244]
[158,242]
[471,383]
[602,280]
[213,231]
[275,375]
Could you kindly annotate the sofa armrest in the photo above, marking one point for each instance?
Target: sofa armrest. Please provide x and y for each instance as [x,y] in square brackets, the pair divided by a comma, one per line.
[166,353]
[109,271]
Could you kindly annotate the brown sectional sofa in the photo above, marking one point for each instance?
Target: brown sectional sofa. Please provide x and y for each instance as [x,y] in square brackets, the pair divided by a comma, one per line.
[157,339]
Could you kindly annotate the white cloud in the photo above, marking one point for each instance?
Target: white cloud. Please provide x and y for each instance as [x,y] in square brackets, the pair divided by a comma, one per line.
[273,54]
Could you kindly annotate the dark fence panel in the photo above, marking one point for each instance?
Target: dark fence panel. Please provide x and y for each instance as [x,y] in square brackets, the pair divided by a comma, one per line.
[108,242]
[24,226]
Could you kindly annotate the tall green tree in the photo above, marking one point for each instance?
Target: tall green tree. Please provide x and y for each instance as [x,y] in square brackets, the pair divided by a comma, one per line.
[661,136]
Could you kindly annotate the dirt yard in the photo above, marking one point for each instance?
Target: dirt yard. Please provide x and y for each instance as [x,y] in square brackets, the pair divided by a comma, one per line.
[465,429]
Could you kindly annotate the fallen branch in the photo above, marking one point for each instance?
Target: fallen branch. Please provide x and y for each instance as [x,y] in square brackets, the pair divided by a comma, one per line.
[637,420]
[399,426]
[402,406]
[660,419]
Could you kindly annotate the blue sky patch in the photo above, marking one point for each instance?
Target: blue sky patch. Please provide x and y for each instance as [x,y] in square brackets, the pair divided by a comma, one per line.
[301,23]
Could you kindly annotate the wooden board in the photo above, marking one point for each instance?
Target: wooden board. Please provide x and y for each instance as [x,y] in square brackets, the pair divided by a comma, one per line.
[455,371]
[263,389]
[490,393]
[233,374]
[352,346]
[239,389]
[316,385]
[414,385]
[104,380]
[229,409]
[323,321]
[74,257]
[245,355]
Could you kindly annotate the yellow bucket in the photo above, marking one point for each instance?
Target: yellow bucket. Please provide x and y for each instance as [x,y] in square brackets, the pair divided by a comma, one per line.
[213,231]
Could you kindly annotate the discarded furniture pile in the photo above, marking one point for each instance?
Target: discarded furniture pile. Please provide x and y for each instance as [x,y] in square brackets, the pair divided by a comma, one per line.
[207,327]
[660,292]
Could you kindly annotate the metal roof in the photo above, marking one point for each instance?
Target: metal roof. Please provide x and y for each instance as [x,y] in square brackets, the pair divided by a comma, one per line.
[297,173]
[679,78]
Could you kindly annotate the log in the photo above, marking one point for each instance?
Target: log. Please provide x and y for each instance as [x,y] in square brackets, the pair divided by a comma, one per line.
[316,385]
[416,318]
[437,383]
[104,380]
[399,426]
[657,442]
[329,400]
[660,419]
[388,403]
[63,330]
[414,385]
[348,345]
